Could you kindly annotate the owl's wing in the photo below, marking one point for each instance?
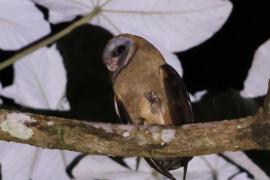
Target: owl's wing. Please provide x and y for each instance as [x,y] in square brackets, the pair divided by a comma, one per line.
[178,98]
[179,102]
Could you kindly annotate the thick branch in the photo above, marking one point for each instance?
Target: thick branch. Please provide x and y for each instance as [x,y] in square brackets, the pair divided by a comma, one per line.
[125,140]
[134,140]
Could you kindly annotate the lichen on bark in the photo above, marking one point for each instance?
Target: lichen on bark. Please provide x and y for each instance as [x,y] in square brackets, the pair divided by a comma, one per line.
[141,140]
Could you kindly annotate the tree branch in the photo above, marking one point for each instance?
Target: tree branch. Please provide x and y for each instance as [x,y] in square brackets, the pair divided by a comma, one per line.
[138,140]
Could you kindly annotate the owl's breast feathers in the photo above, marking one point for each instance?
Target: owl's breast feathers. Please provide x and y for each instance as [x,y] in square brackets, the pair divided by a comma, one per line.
[140,88]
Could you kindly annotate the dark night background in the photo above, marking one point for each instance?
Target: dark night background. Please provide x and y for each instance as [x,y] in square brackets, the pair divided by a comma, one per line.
[219,65]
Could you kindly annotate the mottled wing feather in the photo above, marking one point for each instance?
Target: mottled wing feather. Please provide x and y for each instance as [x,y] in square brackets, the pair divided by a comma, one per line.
[178,98]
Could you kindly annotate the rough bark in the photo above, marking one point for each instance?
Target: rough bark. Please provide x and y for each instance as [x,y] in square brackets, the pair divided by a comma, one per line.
[137,140]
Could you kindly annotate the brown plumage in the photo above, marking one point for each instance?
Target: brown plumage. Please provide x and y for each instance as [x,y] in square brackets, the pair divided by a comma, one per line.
[147,90]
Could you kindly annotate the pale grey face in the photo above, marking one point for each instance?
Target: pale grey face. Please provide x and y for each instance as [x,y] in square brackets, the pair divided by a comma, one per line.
[117,54]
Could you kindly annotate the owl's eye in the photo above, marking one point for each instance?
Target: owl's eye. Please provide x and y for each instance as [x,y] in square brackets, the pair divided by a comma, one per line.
[119,50]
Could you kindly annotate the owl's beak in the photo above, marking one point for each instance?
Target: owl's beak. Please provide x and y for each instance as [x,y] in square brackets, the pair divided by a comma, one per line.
[112,64]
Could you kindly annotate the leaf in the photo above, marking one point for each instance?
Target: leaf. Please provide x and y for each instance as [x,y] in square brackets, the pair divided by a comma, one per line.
[40,80]
[9,155]
[256,83]
[99,167]
[169,57]
[247,163]
[50,164]
[176,24]
[16,160]
[20,24]
[65,10]
[202,167]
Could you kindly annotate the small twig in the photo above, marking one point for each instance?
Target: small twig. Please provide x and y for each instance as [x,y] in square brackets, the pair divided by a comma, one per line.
[50,39]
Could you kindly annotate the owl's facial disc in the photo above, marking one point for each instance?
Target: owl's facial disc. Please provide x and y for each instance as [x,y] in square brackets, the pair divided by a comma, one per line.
[117,53]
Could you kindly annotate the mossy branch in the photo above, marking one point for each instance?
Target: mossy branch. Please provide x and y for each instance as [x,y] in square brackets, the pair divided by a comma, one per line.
[137,140]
